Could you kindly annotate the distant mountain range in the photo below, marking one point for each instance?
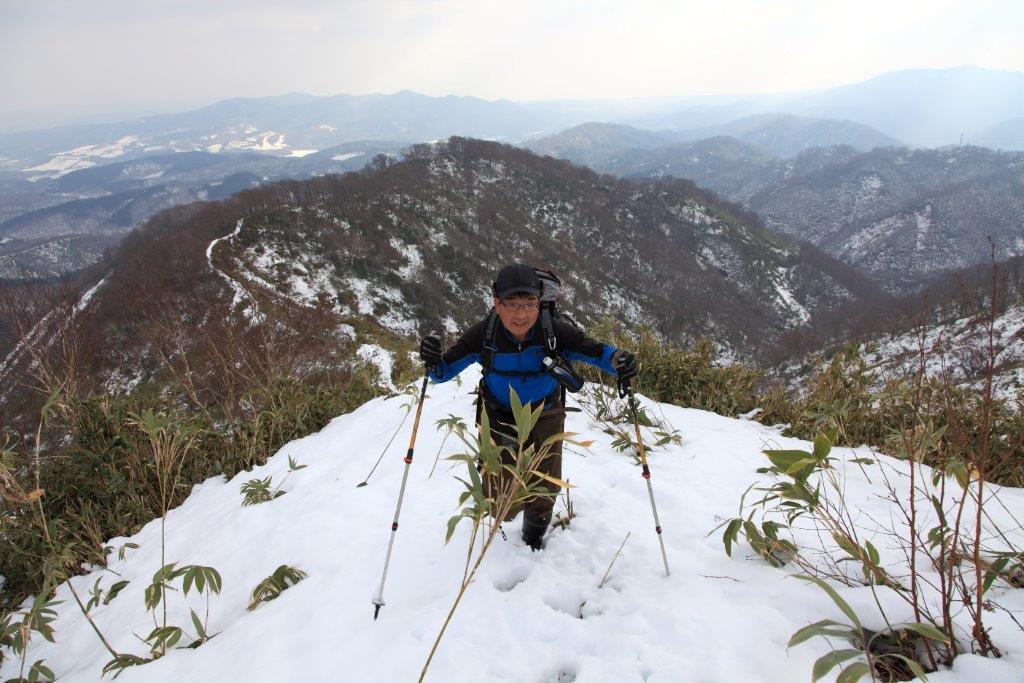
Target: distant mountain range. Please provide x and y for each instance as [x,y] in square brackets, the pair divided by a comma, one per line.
[786,135]
[67,193]
[919,107]
[780,135]
[1005,135]
[42,235]
[927,107]
[901,215]
[289,125]
[733,167]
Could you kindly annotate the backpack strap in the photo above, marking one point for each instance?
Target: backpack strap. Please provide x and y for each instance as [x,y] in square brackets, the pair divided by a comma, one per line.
[487,352]
[547,324]
[490,347]
[518,373]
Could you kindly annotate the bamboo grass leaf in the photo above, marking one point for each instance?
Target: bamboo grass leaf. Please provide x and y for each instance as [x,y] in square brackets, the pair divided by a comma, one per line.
[836,598]
[113,591]
[853,673]
[915,667]
[825,627]
[929,631]
[554,480]
[826,663]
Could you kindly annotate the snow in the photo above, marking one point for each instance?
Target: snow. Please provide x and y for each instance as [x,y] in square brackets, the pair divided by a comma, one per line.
[527,616]
[923,219]
[261,142]
[413,259]
[620,301]
[396,316]
[239,294]
[782,275]
[693,212]
[958,347]
[394,320]
[302,289]
[361,289]
[308,275]
[450,326]
[710,258]
[871,183]
[303,152]
[87,297]
[861,242]
[78,158]
[346,156]
[60,165]
[382,359]
[265,143]
[116,149]
[122,381]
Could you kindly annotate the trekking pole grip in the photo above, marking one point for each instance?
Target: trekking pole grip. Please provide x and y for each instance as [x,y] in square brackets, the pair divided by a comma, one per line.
[624,388]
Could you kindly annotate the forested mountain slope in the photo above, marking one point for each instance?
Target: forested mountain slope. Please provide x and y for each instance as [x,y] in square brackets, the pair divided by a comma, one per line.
[415,244]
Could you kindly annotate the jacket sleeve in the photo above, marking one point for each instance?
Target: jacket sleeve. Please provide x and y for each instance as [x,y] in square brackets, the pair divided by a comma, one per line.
[463,353]
[576,345]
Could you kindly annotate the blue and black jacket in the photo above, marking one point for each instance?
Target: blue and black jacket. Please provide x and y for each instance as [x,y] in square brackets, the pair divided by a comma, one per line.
[519,365]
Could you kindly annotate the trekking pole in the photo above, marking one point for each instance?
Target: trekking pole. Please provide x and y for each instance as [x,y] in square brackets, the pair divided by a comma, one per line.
[624,391]
[378,600]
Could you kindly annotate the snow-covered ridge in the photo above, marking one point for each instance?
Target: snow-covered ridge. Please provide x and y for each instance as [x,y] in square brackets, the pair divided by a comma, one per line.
[239,294]
[528,616]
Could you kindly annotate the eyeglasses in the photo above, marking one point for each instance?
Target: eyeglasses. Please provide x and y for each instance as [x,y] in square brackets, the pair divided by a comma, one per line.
[527,306]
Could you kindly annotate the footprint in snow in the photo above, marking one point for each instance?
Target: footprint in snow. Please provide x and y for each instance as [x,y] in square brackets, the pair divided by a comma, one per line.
[511,576]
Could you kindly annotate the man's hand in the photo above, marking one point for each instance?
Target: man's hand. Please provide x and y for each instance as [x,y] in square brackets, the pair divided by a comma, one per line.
[624,364]
[430,350]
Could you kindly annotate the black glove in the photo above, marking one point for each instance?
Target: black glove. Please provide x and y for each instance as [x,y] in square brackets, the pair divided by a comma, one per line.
[624,364]
[430,350]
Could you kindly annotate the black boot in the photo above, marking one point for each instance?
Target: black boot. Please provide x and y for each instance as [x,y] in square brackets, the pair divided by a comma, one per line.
[534,526]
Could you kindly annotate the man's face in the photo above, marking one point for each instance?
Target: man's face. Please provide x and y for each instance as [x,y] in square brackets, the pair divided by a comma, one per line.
[518,313]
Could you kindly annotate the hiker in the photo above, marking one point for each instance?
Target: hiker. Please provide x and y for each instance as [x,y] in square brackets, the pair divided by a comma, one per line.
[511,344]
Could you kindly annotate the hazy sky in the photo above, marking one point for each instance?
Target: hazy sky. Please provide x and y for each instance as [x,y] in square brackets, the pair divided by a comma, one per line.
[63,60]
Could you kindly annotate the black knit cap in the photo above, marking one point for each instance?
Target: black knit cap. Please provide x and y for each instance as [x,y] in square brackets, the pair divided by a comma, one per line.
[517,278]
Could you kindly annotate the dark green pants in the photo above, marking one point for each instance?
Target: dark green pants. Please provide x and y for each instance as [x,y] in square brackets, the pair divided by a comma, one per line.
[549,424]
